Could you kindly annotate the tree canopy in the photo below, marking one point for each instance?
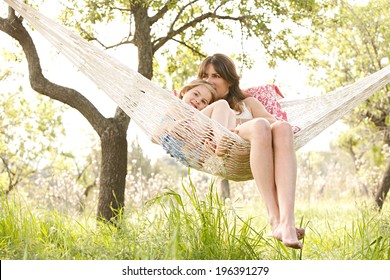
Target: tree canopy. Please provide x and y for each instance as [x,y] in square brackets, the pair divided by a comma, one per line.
[347,42]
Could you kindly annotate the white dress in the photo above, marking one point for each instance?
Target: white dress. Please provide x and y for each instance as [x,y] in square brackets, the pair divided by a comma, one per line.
[246,114]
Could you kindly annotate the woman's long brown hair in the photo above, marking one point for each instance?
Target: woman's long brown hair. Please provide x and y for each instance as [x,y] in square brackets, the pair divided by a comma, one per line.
[227,70]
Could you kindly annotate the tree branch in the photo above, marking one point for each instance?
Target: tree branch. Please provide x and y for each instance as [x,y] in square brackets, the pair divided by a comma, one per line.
[160,13]
[189,47]
[89,37]
[158,43]
[13,27]
[180,13]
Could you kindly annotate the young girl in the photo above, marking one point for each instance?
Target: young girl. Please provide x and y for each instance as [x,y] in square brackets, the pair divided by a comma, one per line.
[201,95]
[178,127]
[197,94]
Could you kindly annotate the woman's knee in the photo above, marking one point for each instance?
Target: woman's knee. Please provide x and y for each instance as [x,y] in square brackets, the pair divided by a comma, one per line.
[282,134]
[261,124]
[260,128]
[282,127]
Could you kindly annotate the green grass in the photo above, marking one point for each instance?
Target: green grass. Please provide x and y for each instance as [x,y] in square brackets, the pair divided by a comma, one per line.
[193,226]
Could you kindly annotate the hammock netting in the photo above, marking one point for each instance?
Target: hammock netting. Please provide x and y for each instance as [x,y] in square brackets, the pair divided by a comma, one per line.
[182,131]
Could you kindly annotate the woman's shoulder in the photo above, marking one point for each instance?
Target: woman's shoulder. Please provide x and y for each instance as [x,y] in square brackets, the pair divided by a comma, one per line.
[250,101]
[253,104]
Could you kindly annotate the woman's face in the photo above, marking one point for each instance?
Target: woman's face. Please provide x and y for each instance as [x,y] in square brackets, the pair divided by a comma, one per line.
[219,83]
[198,97]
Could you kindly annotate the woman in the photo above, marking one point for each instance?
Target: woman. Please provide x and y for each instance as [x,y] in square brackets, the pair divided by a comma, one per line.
[272,154]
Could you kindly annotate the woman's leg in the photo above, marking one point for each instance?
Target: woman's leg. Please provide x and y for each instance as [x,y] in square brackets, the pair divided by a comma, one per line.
[285,180]
[273,166]
[258,133]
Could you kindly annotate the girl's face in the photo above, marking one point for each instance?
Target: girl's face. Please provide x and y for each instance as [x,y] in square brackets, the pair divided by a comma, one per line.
[198,97]
[219,83]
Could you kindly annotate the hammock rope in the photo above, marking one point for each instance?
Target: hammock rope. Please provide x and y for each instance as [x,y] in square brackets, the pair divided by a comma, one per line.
[180,129]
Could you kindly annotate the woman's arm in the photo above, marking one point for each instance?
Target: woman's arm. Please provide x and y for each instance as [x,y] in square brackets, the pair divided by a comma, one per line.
[257,109]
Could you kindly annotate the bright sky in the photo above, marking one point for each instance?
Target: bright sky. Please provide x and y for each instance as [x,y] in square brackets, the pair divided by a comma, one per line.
[289,76]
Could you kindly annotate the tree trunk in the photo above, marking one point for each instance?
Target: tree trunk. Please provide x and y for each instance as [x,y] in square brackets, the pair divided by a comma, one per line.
[384,188]
[113,172]
[225,189]
[385,185]
[143,40]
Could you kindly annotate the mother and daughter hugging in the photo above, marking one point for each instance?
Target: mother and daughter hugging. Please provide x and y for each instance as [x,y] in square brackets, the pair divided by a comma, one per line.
[217,94]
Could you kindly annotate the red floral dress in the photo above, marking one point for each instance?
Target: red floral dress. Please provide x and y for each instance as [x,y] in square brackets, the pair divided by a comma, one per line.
[268,95]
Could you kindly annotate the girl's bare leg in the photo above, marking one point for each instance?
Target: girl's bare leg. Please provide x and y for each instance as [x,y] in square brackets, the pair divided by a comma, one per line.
[220,112]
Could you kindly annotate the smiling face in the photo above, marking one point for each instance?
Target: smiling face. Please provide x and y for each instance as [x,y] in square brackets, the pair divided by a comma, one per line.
[214,78]
[198,97]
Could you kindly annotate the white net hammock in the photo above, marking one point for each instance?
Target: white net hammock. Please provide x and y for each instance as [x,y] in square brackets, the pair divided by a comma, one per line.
[182,131]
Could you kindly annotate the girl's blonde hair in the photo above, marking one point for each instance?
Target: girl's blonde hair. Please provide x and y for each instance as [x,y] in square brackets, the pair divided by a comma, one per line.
[195,83]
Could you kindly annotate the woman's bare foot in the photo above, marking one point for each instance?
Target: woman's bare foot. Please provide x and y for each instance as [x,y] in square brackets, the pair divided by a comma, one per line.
[289,236]
[300,233]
